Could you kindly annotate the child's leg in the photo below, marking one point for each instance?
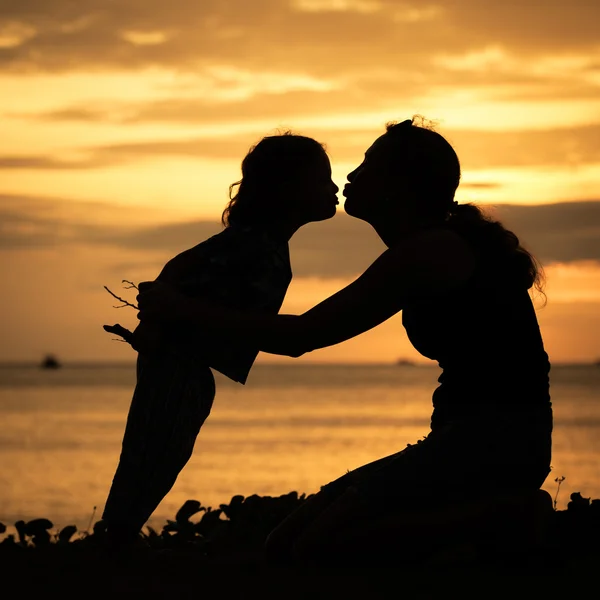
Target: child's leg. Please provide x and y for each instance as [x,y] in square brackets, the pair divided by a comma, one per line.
[170,403]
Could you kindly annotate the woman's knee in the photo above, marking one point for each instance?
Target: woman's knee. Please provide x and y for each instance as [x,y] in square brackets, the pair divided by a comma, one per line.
[280,542]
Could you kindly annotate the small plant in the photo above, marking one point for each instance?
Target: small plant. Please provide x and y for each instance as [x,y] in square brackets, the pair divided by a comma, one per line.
[559,481]
[91,521]
[242,526]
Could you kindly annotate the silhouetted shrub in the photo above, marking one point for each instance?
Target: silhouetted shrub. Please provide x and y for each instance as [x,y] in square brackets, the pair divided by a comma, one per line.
[242,526]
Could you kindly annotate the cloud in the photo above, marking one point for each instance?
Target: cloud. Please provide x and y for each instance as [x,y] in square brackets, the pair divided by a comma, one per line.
[325,36]
[249,95]
[47,222]
[241,68]
[203,109]
[562,232]
[477,149]
[340,247]
[525,25]
[52,163]
[22,230]
[565,146]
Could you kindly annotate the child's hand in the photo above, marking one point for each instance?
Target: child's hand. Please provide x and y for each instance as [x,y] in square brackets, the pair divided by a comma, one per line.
[159,301]
[120,331]
[146,338]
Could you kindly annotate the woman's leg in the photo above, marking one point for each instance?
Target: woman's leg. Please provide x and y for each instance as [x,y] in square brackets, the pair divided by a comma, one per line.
[170,403]
[442,489]
[351,531]
[281,541]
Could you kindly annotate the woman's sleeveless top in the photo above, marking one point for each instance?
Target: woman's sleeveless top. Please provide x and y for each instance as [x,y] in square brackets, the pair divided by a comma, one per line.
[486,338]
[240,268]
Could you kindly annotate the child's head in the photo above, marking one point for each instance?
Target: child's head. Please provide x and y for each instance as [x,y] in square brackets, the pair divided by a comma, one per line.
[284,177]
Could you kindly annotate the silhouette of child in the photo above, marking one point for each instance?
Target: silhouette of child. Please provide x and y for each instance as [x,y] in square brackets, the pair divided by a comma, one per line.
[286,183]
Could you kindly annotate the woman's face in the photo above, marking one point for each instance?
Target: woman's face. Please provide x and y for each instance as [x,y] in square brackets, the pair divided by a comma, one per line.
[368,185]
[316,192]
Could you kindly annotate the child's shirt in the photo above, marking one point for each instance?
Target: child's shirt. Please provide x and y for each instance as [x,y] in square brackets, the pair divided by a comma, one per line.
[240,268]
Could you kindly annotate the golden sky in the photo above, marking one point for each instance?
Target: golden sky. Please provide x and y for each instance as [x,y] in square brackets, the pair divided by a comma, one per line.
[123,123]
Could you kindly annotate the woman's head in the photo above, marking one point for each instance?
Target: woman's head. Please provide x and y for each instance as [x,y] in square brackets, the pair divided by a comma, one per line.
[285,177]
[410,173]
[408,180]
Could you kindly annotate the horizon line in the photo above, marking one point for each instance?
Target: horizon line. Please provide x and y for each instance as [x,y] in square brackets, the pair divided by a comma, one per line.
[401,362]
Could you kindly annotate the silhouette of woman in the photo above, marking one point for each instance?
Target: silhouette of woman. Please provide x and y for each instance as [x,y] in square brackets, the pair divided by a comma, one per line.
[286,183]
[462,282]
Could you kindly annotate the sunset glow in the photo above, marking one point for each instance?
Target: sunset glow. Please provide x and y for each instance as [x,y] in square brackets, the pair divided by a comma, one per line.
[121,124]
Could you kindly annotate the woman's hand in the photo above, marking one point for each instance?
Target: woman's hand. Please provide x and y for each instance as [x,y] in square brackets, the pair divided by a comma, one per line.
[159,301]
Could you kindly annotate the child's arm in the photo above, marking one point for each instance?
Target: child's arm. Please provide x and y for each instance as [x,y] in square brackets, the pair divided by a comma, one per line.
[432,264]
[146,337]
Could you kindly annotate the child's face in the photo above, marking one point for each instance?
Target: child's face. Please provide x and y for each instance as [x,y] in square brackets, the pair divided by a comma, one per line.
[316,193]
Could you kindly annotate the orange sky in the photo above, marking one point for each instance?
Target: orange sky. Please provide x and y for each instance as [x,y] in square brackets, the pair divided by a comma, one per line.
[122,123]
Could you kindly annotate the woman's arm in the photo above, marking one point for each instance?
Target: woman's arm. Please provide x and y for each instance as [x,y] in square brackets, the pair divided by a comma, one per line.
[428,265]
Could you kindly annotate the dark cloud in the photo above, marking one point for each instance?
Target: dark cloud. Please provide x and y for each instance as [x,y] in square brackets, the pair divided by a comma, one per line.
[373,61]
[340,247]
[559,147]
[360,93]
[91,33]
[273,106]
[43,222]
[204,147]
[480,185]
[481,149]
[249,35]
[26,230]
[51,163]
[529,26]
[170,238]
[561,232]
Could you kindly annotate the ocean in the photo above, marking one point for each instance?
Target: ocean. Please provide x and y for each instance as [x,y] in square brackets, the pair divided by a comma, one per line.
[292,427]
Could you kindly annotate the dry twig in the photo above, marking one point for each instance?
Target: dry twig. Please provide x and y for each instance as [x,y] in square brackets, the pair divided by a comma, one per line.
[119,329]
[131,285]
[125,302]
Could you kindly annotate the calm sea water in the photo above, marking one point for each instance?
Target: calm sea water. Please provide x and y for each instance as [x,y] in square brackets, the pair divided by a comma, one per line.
[290,428]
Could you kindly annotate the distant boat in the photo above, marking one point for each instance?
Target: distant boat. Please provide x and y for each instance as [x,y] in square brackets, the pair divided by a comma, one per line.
[404,362]
[50,362]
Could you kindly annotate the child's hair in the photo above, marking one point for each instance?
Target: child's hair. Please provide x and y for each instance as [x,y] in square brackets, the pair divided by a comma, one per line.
[276,161]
